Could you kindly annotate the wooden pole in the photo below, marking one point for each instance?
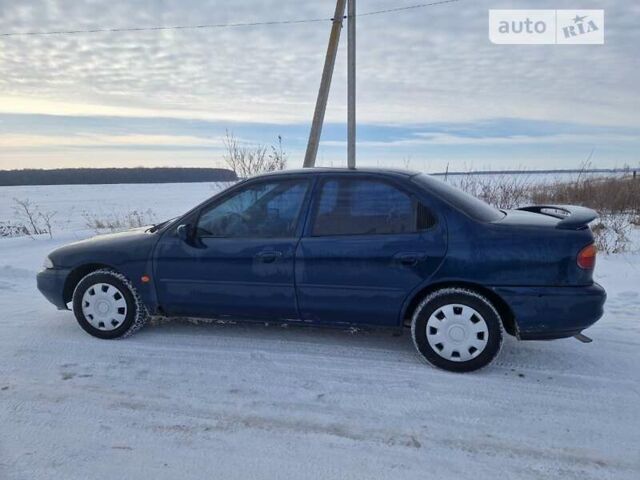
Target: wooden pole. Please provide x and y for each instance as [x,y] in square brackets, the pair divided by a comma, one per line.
[351,84]
[325,84]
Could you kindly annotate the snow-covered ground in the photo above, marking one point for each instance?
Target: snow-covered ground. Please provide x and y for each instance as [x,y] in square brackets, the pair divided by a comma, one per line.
[73,203]
[179,400]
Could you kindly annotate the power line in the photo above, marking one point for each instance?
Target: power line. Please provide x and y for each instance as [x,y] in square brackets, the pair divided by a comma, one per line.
[170,27]
[221,25]
[402,9]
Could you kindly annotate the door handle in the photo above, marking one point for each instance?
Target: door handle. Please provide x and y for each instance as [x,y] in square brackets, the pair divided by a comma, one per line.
[408,259]
[268,257]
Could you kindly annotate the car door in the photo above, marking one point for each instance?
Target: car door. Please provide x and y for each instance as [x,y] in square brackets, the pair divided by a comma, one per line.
[238,258]
[367,245]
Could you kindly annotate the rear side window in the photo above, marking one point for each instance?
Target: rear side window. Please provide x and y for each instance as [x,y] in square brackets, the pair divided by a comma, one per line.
[367,207]
[472,206]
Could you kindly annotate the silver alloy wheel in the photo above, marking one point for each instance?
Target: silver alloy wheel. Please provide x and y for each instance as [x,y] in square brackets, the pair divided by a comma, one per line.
[104,306]
[457,332]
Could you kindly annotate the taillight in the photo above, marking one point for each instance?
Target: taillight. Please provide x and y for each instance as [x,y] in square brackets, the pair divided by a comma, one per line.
[587,257]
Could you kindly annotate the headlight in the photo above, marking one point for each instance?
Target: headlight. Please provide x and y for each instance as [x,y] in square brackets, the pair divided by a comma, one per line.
[47,264]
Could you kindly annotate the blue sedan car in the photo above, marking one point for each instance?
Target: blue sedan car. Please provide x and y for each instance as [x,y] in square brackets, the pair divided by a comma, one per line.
[381,248]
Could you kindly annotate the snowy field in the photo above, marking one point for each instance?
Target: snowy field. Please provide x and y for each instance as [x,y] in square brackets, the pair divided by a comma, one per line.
[185,401]
[73,203]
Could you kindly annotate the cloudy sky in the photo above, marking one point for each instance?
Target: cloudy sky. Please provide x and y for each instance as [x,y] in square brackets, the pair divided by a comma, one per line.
[432,90]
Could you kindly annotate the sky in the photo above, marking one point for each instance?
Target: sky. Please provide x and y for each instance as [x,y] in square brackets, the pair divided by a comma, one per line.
[433,92]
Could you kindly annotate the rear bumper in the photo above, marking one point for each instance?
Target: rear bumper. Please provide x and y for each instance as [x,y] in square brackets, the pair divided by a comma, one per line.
[51,285]
[545,313]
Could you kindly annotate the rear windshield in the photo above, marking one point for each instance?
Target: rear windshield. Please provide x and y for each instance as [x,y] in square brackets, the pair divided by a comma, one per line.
[468,204]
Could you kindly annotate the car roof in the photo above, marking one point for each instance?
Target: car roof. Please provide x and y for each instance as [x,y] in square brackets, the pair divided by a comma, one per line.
[321,170]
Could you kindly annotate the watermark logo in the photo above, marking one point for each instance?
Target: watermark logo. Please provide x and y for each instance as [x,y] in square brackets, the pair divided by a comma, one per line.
[540,27]
[580,27]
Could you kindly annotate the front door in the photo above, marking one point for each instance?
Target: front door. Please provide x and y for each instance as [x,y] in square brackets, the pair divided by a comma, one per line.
[368,245]
[238,261]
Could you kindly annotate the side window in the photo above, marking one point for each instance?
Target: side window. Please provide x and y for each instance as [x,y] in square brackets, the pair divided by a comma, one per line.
[265,210]
[329,198]
[367,207]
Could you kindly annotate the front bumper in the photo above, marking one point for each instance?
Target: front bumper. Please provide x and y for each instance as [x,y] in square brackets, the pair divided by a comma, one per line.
[545,313]
[51,285]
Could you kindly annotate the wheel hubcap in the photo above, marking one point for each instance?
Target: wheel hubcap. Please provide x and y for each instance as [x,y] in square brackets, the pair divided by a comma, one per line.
[104,306]
[457,332]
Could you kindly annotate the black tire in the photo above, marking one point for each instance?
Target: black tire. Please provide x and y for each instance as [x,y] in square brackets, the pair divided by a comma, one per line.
[136,313]
[434,305]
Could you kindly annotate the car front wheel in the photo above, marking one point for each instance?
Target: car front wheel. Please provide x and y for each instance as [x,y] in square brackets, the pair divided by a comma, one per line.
[107,305]
[457,329]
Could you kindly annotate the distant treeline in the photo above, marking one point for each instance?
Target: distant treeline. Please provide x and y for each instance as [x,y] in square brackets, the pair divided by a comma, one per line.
[75,176]
[537,172]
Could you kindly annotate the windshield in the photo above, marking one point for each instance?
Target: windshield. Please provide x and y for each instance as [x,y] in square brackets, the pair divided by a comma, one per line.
[468,204]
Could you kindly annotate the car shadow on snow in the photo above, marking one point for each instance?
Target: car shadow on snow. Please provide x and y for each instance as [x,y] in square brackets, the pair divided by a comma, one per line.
[560,356]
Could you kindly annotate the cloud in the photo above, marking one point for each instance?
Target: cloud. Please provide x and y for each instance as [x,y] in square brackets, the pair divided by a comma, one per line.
[447,139]
[425,139]
[22,141]
[434,64]
[430,84]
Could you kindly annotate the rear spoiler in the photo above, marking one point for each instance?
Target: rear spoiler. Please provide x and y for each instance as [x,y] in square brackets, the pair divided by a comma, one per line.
[572,217]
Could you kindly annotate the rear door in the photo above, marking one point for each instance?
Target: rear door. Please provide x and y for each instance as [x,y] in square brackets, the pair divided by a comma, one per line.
[368,243]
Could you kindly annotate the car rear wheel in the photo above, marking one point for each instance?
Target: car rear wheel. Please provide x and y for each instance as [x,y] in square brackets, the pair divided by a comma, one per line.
[107,305]
[457,329]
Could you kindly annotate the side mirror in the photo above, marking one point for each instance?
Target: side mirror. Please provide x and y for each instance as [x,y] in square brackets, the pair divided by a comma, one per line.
[184,232]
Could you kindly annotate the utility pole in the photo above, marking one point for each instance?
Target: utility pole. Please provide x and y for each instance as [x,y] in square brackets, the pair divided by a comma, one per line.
[351,84]
[325,84]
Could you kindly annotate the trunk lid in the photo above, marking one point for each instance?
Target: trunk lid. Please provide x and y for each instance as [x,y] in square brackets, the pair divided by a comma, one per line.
[550,238]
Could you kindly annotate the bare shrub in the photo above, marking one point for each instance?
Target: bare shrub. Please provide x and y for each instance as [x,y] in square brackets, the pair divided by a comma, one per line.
[8,229]
[503,191]
[117,222]
[45,219]
[31,219]
[248,161]
[611,232]
[606,195]
[616,199]
[278,156]
[26,212]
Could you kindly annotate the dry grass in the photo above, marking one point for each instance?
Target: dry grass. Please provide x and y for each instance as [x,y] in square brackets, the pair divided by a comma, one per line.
[611,232]
[116,222]
[616,199]
[8,229]
[503,191]
[606,195]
